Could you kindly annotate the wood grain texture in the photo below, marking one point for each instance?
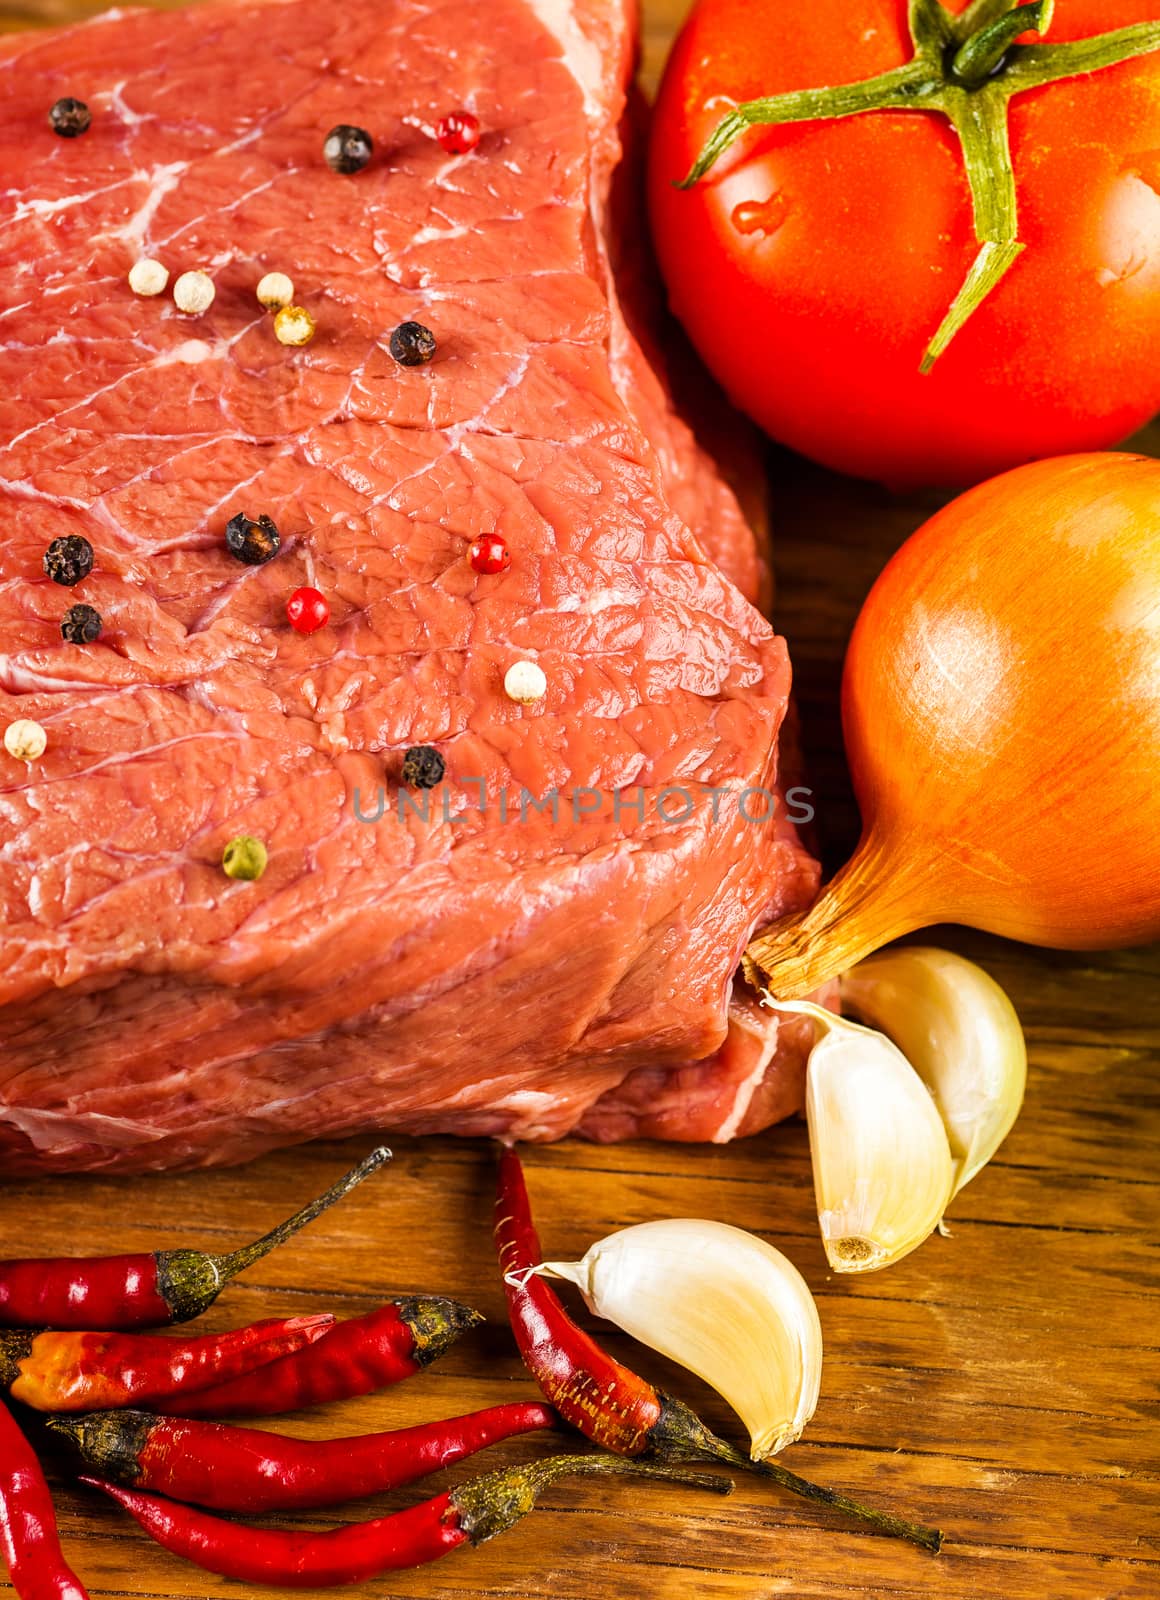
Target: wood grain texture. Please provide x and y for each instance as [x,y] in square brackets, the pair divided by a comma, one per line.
[1002,1381]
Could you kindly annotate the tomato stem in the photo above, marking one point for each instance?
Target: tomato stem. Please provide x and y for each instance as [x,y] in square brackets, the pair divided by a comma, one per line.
[980,120]
[1030,66]
[983,52]
[968,68]
[979,14]
[931,26]
[891,91]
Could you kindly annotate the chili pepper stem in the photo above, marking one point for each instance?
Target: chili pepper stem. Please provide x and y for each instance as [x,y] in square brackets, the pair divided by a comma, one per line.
[190,1280]
[680,1435]
[917,1533]
[436,1324]
[115,1439]
[15,1347]
[492,1504]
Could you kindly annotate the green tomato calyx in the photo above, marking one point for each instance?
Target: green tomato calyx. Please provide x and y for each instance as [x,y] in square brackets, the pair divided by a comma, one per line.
[969,68]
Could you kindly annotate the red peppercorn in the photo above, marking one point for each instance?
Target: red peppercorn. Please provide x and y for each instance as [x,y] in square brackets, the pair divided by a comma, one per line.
[307,610]
[458,132]
[490,553]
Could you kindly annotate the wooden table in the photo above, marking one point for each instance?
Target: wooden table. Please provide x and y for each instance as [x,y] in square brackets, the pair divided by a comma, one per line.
[1001,1381]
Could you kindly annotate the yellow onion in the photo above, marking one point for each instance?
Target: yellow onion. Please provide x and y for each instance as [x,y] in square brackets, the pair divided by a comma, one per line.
[1001,708]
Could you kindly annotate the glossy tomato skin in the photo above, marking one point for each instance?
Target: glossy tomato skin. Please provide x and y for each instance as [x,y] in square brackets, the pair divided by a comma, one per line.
[814,262]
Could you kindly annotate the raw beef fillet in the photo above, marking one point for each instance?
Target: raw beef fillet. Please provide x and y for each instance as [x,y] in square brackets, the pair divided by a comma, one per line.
[476,969]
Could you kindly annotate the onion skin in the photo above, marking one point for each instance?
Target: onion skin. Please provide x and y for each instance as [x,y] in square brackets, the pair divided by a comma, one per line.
[1001,711]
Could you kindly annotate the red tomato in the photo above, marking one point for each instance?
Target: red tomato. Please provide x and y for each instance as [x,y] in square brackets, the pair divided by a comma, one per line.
[814,262]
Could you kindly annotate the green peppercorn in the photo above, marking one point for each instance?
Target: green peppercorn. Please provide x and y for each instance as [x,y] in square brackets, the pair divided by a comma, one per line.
[348,149]
[70,118]
[80,625]
[68,559]
[244,857]
[412,345]
[423,767]
[253,540]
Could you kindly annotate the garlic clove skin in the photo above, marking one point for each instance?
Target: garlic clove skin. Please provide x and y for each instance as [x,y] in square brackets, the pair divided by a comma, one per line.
[882,1162]
[722,1303]
[960,1033]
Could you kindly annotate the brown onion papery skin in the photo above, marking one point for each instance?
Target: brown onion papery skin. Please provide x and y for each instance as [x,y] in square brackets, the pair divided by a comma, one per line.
[1001,710]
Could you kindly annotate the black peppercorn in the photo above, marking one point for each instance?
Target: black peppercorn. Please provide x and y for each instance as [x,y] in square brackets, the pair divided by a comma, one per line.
[252,539]
[68,559]
[412,345]
[348,149]
[70,118]
[423,767]
[80,625]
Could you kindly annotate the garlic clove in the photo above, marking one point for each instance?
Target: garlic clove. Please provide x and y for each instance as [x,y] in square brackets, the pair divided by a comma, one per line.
[721,1302]
[961,1034]
[882,1162]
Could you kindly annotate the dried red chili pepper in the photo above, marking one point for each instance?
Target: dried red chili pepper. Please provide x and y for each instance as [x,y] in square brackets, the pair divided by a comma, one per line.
[97,1371]
[29,1541]
[356,1357]
[144,1291]
[606,1400]
[471,1514]
[243,1470]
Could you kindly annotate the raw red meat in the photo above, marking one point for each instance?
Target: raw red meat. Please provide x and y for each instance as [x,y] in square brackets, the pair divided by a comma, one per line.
[461,973]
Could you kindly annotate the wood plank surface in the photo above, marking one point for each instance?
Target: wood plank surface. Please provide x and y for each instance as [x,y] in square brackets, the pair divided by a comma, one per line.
[1002,1381]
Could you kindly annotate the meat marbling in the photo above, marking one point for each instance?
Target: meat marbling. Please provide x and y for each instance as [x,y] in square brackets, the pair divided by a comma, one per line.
[462,972]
